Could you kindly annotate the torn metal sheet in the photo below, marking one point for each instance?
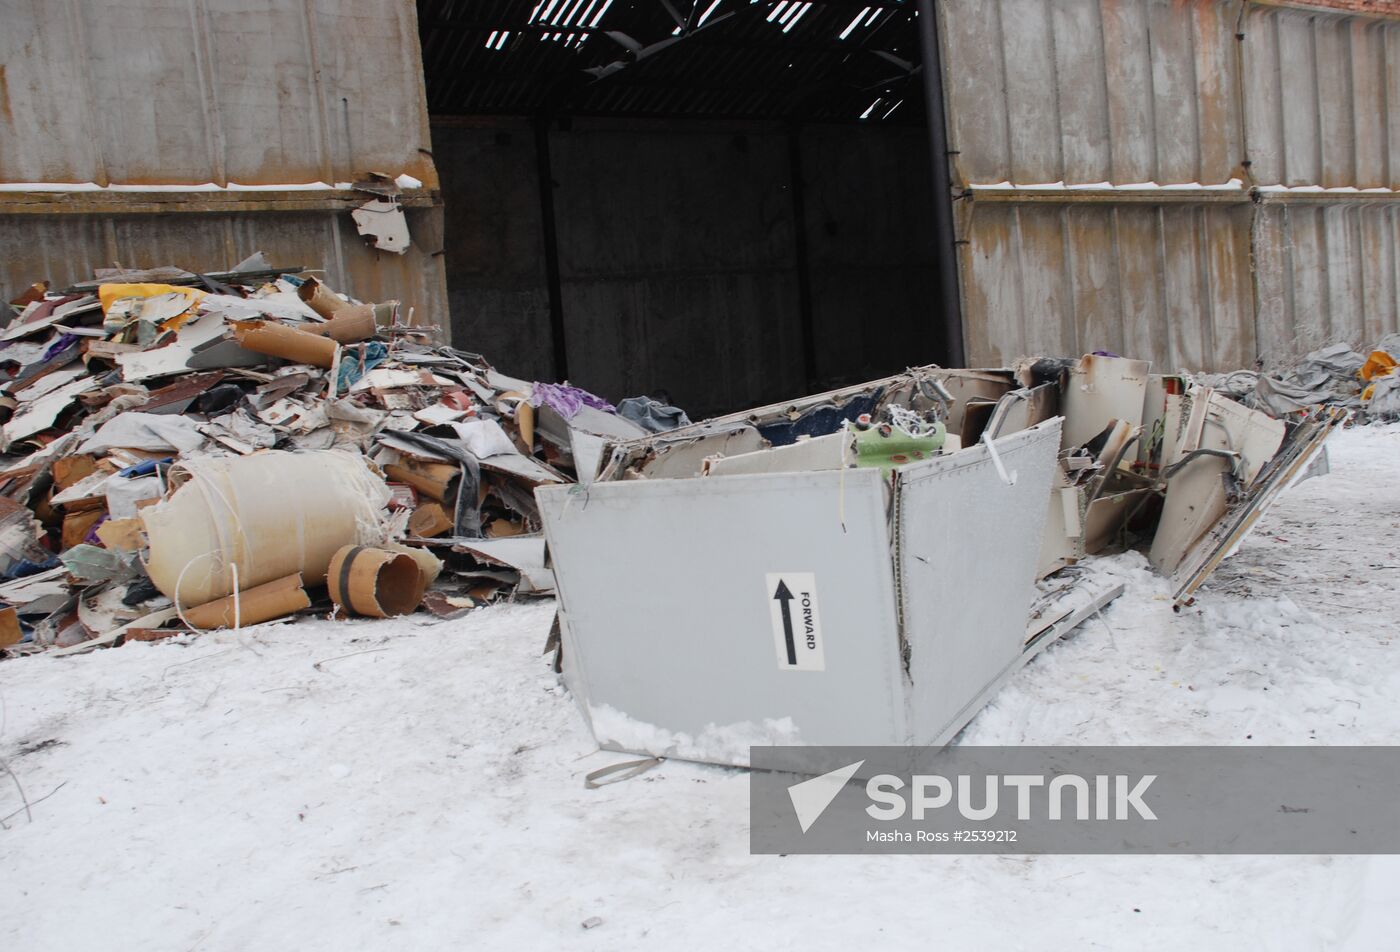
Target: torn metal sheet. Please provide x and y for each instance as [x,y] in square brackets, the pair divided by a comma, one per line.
[1222,449]
[1101,390]
[36,594]
[383,222]
[1066,609]
[152,620]
[962,621]
[1305,442]
[683,452]
[44,412]
[175,356]
[48,313]
[525,554]
[587,420]
[49,383]
[588,451]
[526,467]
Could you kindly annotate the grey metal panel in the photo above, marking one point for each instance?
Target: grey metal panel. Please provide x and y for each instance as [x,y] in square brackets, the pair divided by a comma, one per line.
[968,544]
[1327,271]
[65,248]
[663,584]
[1084,91]
[1321,97]
[1168,283]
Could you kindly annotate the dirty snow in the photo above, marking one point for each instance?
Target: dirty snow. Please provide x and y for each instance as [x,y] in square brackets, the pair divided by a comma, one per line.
[728,743]
[417,784]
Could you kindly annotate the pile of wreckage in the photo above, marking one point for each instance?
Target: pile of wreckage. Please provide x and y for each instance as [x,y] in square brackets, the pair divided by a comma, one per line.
[184,451]
[1336,375]
[867,566]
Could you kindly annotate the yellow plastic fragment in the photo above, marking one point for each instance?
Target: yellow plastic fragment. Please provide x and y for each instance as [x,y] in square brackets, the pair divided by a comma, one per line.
[109,294]
[1377,365]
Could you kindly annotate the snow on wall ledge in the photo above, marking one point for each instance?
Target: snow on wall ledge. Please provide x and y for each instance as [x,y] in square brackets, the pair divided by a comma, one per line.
[404,181]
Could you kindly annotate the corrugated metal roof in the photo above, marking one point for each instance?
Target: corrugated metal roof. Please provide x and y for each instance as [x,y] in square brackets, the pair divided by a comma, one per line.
[838,60]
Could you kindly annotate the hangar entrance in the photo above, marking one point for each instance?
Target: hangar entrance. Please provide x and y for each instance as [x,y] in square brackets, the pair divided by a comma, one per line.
[719,202]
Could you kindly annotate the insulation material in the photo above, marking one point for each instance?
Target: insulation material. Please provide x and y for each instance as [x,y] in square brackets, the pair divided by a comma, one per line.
[124,496]
[146,431]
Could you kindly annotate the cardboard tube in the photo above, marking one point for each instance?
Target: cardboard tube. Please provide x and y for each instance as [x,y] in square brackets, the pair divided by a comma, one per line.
[429,520]
[320,298]
[279,340]
[349,326]
[429,565]
[275,599]
[373,582]
[10,633]
[431,479]
[525,420]
[385,312]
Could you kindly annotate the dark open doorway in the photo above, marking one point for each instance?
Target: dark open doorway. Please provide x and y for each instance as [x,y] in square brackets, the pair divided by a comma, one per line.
[728,201]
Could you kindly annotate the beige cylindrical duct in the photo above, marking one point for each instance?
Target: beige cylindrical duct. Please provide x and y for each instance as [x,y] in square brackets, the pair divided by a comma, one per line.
[279,340]
[375,582]
[275,599]
[320,298]
[242,521]
[429,565]
[385,312]
[350,325]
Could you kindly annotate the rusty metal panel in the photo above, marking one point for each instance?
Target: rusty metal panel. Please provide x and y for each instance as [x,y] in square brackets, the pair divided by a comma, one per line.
[165,92]
[159,92]
[65,248]
[1173,91]
[1321,92]
[1326,272]
[1165,282]
[1087,91]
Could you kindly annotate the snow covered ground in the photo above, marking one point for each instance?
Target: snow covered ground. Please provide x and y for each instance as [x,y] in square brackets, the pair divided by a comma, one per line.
[416,784]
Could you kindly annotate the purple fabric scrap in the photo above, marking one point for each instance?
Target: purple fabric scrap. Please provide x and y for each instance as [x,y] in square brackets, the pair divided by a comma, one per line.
[565,400]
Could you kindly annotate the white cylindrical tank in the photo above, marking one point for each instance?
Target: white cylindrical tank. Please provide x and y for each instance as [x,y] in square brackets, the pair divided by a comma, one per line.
[241,521]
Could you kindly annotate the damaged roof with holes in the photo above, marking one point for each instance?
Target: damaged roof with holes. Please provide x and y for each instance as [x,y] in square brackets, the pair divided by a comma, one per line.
[839,60]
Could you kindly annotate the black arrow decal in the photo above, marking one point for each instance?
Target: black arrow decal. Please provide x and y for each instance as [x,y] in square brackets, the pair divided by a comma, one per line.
[784,597]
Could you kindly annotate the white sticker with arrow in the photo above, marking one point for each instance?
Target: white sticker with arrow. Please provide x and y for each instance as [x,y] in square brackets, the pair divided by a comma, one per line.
[797,624]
